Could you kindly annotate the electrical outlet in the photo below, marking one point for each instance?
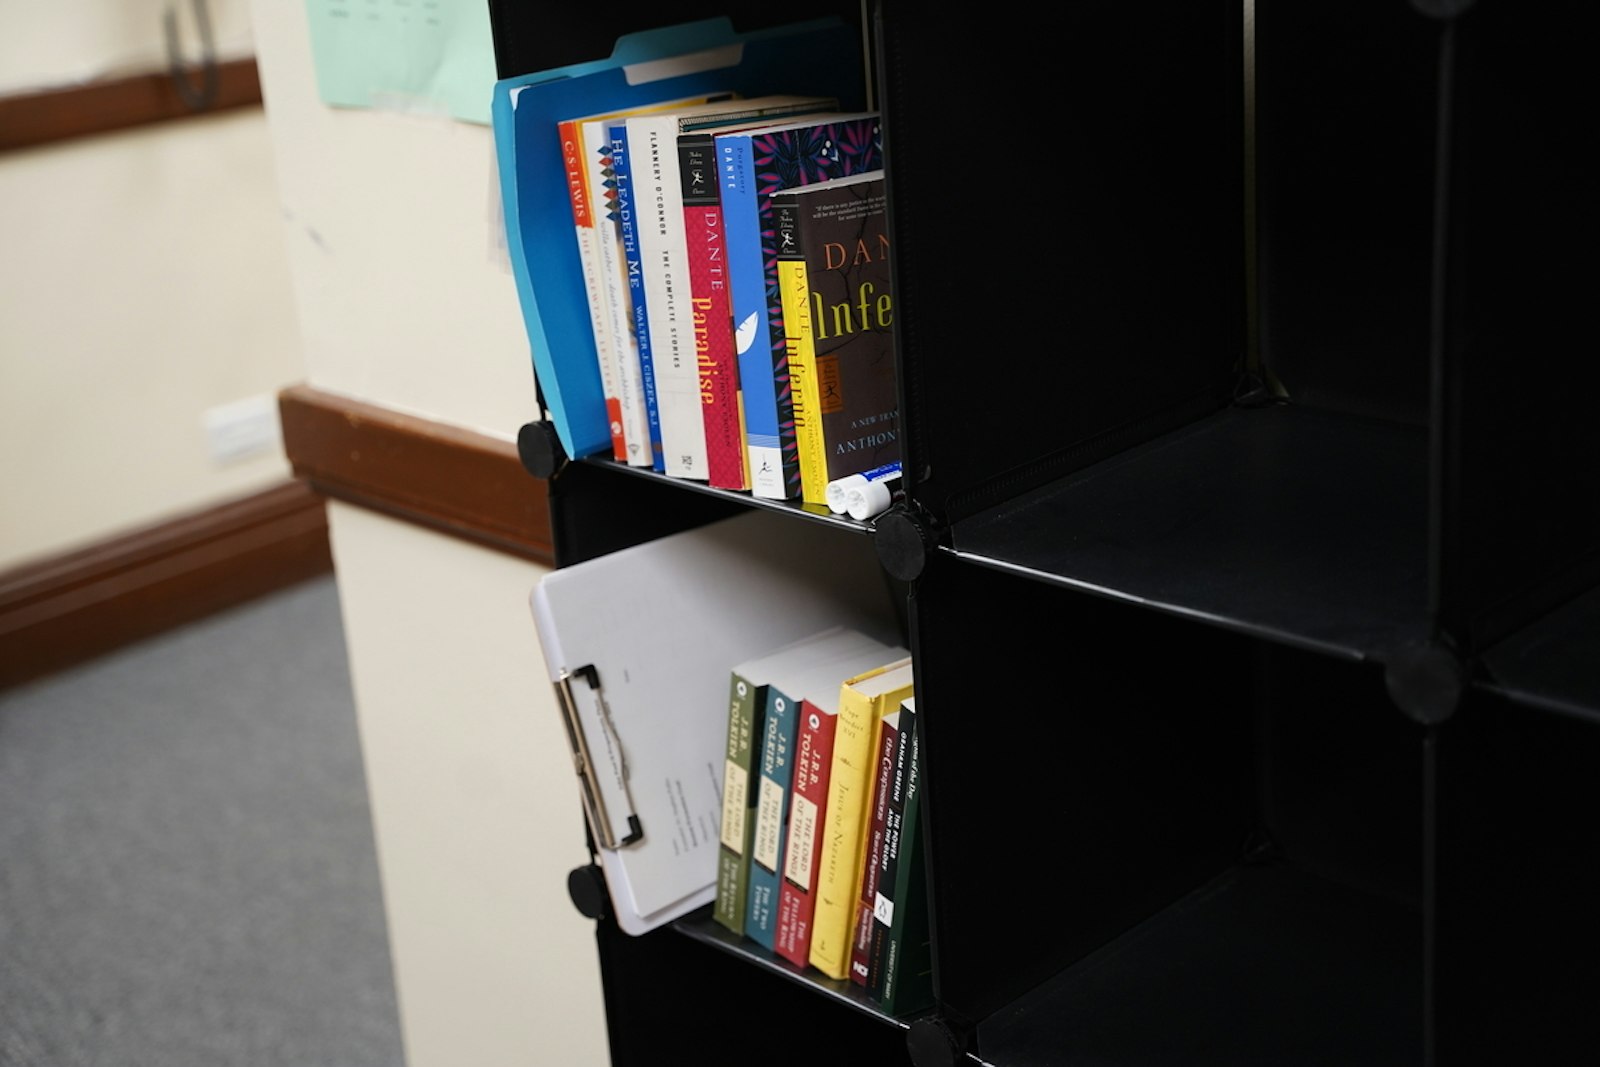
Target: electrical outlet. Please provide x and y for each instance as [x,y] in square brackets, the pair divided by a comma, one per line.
[243,429]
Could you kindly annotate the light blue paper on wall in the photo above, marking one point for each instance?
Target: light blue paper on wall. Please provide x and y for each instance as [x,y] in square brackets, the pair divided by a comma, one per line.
[420,56]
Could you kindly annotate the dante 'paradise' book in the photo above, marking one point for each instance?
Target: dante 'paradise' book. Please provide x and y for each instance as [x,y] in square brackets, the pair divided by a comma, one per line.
[752,164]
[838,321]
[907,970]
[840,655]
[658,200]
[872,859]
[722,387]
[863,701]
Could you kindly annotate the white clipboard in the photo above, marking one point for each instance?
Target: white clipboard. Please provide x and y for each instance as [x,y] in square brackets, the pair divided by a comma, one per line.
[639,646]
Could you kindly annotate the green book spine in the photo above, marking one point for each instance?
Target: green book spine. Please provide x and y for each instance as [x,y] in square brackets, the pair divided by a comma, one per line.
[745,712]
[908,956]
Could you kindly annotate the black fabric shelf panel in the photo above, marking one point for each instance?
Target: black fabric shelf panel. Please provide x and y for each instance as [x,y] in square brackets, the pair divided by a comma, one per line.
[1263,967]
[1284,522]
[1555,662]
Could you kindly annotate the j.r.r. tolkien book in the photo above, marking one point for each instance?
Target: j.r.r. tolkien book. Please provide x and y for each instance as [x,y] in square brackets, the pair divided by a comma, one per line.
[658,202]
[871,866]
[907,969]
[808,810]
[863,701]
[819,667]
[839,327]
[753,163]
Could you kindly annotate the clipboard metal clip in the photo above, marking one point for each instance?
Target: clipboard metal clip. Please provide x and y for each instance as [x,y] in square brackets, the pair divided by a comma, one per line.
[594,800]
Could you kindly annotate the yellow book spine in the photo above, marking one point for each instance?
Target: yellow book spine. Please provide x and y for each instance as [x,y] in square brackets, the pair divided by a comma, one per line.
[800,350]
[844,826]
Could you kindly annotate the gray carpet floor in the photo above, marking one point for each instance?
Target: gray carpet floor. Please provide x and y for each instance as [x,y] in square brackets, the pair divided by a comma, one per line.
[187,873]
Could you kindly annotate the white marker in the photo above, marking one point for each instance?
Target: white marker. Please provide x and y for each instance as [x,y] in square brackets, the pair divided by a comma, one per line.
[868,493]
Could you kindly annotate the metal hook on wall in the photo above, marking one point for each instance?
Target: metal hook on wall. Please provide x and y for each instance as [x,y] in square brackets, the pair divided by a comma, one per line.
[202,96]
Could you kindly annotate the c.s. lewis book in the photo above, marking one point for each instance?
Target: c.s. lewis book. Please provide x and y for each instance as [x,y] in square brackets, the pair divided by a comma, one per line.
[863,701]
[663,243]
[808,810]
[906,983]
[575,159]
[745,753]
[871,865]
[753,163]
[841,654]
[839,327]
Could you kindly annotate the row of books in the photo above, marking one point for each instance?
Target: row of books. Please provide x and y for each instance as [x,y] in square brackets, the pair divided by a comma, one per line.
[819,859]
[735,259]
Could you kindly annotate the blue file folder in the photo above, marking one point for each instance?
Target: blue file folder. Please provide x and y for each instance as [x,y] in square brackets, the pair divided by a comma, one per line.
[821,56]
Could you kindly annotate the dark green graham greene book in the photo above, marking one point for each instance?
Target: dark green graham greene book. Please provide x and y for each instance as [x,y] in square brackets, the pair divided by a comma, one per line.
[907,972]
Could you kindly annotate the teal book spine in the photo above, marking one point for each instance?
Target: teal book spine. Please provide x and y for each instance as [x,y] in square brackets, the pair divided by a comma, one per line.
[772,817]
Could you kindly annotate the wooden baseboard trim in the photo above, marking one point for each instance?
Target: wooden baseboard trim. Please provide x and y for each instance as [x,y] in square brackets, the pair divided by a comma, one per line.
[443,477]
[49,115]
[62,611]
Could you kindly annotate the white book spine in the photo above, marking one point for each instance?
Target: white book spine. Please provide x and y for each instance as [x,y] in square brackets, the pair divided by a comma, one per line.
[664,252]
[613,277]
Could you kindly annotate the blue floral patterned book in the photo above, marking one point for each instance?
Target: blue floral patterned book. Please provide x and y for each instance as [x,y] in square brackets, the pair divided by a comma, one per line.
[752,164]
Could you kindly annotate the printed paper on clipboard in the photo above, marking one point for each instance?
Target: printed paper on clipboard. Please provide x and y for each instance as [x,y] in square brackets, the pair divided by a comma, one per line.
[639,645]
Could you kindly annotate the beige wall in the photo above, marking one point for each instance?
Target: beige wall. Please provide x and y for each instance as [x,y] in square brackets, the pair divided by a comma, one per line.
[474,801]
[407,301]
[49,45]
[150,276]
[143,283]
